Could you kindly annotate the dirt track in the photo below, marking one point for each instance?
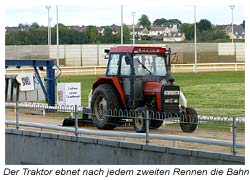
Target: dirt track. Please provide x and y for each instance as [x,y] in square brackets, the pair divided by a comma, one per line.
[204,133]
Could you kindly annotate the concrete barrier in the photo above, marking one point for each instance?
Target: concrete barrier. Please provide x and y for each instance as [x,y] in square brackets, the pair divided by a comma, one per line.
[30,147]
[93,54]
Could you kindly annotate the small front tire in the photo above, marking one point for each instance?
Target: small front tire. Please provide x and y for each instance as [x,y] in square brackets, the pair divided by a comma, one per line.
[139,120]
[189,120]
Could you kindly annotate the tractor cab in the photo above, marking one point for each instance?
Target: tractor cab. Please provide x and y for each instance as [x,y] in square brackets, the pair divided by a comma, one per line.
[139,61]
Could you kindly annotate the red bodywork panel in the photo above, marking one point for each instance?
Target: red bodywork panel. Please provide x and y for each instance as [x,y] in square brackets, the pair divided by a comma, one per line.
[140,49]
[113,80]
[154,89]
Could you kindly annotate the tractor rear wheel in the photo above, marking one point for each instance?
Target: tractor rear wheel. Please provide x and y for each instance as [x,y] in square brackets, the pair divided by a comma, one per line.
[189,120]
[104,99]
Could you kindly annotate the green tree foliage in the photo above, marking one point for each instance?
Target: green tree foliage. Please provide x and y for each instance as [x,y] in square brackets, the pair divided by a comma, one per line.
[203,25]
[92,34]
[165,22]
[159,22]
[34,25]
[38,36]
[108,36]
[144,21]
[212,35]
[188,29]
[205,32]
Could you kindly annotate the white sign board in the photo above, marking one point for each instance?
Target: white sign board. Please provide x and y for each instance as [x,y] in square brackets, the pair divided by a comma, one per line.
[69,94]
[26,81]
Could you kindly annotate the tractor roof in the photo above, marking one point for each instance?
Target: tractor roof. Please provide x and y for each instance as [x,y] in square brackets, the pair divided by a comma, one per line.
[140,49]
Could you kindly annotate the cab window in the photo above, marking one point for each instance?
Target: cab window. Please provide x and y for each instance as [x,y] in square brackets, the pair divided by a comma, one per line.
[113,64]
[125,66]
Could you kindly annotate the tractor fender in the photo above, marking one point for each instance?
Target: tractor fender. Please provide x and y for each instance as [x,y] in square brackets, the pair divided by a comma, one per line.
[183,99]
[112,80]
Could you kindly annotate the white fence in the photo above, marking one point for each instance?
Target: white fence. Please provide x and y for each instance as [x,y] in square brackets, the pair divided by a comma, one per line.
[100,70]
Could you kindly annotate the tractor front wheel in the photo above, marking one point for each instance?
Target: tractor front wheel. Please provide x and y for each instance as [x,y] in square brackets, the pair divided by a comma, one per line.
[139,120]
[189,120]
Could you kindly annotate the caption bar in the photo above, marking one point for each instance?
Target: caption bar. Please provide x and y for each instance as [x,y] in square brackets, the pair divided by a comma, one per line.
[124,172]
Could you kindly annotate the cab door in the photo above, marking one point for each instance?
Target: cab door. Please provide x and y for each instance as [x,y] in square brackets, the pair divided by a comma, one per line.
[125,75]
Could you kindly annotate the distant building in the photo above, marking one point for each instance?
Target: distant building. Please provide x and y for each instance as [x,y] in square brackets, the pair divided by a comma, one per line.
[139,30]
[100,30]
[174,37]
[15,29]
[115,29]
[158,32]
[77,28]
[239,31]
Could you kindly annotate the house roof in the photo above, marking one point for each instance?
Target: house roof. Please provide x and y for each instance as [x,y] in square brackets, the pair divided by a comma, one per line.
[158,28]
[238,29]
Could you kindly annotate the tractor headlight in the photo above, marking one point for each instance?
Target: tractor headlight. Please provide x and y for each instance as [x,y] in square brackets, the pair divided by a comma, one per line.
[171,92]
[171,100]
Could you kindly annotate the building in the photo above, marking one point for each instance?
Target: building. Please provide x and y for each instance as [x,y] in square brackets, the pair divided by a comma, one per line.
[239,31]
[174,37]
[169,32]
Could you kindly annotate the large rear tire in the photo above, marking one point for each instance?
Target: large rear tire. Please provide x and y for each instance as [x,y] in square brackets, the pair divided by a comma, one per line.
[189,121]
[105,99]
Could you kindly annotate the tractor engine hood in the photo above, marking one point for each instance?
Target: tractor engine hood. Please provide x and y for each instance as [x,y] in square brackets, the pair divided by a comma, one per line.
[166,96]
[152,88]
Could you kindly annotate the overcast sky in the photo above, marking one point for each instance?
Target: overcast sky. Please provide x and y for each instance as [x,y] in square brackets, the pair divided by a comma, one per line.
[107,12]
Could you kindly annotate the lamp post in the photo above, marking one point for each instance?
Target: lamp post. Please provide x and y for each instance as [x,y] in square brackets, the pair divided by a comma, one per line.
[133,13]
[50,20]
[121,24]
[232,8]
[195,41]
[57,37]
[49,38]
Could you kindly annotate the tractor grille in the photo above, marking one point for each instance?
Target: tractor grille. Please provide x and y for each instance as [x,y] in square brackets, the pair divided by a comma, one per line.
[170,98]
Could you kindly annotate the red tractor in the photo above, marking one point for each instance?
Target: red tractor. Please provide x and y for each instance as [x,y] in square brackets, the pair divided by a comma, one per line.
[138,79]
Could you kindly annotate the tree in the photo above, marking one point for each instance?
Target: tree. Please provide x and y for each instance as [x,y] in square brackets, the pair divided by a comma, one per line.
[159,22]
[92,34]
[175,21]
[212,35]
[188,29]
[108,36]
[144,21]
[20,25]
[34,25]
[165,22]
[203,25]
[38,36]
